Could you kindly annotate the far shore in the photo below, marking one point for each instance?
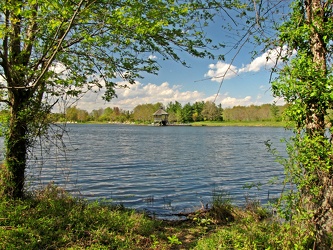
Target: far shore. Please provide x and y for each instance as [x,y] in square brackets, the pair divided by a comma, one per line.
[241,124]
[206,123]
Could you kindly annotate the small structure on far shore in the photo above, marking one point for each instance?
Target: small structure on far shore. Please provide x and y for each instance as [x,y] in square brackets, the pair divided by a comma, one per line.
[161,117]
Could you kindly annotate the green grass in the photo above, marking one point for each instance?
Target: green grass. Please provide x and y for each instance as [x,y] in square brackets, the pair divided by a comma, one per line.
[241,123]
[51,219]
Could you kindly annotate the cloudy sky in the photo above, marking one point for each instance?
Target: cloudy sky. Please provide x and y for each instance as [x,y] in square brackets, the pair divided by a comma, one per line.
[244,83]
[238,80]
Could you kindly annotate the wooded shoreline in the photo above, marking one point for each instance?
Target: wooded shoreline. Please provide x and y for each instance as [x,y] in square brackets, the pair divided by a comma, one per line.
[205,123]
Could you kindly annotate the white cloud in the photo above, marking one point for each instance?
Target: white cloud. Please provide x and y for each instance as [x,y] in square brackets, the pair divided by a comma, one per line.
[228,101]
[267,60]
[139,93]
[222,70]
[152,57]
[129,98]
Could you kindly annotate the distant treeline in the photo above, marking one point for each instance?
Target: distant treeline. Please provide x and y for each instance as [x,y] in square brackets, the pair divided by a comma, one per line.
[178,113]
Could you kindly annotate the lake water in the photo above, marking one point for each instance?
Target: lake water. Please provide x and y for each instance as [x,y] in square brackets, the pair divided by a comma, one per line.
[164,170]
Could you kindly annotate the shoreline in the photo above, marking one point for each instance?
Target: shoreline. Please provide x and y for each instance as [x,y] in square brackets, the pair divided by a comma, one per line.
[196,124]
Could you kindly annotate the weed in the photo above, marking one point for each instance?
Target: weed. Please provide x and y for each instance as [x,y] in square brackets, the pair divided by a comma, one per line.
[155,241]
[202,221]
[256,209]
[173,240]
[222,208]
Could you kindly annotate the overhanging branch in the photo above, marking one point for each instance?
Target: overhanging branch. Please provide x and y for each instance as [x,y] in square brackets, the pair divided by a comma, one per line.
[58,47]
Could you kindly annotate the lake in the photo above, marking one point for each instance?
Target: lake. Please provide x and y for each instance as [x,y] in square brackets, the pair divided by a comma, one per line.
[163,170]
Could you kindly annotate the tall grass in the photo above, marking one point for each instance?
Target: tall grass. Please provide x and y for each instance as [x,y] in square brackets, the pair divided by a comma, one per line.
[52,219]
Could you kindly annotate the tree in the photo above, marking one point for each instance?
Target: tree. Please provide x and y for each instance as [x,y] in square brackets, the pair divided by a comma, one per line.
[306,84]
[53,49]
[144,112]
[275,112]
[220,110]
[174,110]
[197,109]
[236,113]
[187,113]
[72,113]
[106,116]
[82,115]
[210,111]
[114,114]
[96,114]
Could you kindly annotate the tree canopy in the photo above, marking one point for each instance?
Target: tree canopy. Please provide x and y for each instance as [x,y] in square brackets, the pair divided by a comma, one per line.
[51,50]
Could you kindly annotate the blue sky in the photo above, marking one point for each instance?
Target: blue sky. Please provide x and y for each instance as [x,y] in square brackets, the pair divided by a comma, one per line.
[245,79]
[245,83]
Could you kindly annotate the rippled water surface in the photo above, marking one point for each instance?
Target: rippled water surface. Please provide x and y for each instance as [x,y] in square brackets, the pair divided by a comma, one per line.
[164,170]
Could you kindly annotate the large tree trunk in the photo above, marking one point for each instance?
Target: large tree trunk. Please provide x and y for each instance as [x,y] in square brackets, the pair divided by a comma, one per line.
[322,205]
[16,151]
[315,14]
[323,217]
[16,146]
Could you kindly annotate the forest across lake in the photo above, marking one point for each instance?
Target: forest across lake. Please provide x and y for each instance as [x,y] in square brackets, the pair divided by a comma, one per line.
[177,113]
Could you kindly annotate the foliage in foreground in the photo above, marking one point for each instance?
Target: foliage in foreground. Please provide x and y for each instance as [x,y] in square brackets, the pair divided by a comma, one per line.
[305,82]
[51,219]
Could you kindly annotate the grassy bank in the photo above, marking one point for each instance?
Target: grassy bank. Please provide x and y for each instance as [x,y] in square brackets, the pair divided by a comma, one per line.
[51,219]
[241,123]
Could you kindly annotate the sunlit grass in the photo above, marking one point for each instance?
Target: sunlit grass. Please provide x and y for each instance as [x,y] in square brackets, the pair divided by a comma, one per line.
[241,123]
[52,219]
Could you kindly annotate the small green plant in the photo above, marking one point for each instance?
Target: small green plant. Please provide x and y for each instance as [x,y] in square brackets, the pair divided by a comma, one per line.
[256,209]
[202,221]
[221,198]
[155,241]
[222,208]
[173,240]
